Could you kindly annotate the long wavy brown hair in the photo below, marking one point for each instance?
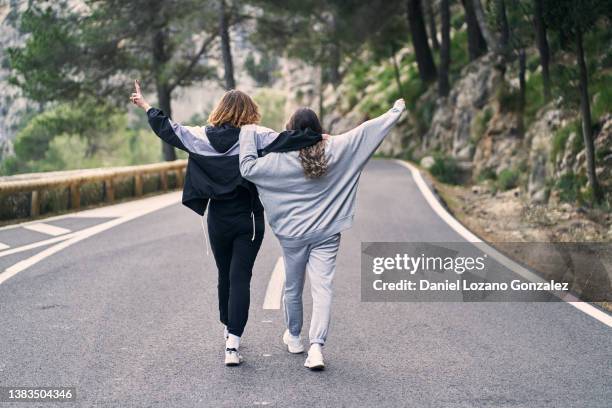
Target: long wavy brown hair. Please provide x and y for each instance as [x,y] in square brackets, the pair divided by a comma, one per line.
[235,108]
[313,157]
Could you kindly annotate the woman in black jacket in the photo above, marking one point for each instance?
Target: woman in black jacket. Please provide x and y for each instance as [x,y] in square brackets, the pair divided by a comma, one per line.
[213,180]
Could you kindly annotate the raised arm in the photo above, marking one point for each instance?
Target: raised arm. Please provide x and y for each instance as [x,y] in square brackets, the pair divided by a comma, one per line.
[365,138]
[161,124]
[189,138]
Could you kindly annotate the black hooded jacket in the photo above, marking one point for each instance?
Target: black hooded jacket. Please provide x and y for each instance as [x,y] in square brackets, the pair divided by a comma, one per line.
[213,166]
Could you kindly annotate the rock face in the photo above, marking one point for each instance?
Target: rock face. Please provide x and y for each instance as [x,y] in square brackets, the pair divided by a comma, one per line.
[538,142]
[603,147]
[301,83]
[427,162]
[12,104]
[500,146]
[451,125]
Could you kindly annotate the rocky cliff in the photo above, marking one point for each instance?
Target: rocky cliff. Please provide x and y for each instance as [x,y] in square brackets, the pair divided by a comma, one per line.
[480,130]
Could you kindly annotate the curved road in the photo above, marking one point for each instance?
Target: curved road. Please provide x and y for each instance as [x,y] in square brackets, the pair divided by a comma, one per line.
[128,316]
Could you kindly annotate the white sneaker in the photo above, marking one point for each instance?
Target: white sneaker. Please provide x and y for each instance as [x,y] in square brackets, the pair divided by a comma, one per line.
[294,343]
[225,333]
[314,361]
[232,357]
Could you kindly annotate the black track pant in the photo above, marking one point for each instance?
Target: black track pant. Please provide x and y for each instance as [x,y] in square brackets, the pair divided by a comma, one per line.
[235,252]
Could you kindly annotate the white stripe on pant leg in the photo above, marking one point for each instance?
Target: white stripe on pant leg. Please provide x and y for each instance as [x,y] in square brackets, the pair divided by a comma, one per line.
[274,291]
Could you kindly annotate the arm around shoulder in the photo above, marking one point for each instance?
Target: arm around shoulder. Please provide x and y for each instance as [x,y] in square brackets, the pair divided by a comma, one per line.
[248,153]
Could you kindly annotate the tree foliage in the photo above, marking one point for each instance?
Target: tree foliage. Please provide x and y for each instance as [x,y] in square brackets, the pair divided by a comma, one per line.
[91,52]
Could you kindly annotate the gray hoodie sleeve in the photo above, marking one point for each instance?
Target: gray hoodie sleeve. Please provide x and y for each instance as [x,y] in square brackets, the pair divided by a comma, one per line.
[195,140]
[361,142]
[250,166]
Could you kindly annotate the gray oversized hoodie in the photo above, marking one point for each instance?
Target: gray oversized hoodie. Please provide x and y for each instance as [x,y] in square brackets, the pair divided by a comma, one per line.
[302,210]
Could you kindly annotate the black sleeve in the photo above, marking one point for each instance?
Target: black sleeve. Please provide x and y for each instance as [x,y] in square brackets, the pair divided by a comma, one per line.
[160,124]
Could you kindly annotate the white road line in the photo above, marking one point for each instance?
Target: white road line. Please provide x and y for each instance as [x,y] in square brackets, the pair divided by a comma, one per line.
[47,229]
[4,246]
[36,244]
[274,291]
[498,256]
[107,211]
[146,206]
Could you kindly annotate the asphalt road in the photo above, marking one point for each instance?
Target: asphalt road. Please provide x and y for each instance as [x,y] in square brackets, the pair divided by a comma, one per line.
[128,316]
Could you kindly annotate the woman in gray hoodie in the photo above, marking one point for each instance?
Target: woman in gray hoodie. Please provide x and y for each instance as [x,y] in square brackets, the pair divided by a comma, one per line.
[309,198]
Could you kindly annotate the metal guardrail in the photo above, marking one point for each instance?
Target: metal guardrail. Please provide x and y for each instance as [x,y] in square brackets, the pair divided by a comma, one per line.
[74,181]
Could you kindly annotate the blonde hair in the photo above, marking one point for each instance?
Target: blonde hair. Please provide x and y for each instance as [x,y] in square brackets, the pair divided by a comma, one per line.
[235,108]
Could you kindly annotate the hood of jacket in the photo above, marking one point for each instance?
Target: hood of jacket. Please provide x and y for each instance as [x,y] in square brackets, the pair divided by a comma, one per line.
[222,138]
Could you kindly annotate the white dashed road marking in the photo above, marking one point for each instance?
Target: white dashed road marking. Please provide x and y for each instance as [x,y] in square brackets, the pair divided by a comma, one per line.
[275,286]
[36,244]
[129,211]
[47,229]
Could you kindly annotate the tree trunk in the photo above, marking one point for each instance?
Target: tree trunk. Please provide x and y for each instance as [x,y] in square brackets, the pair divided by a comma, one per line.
[396,70]
[542,42]
[334,53]
[522,91]
[422,52]
[502,23]
[431,18]
[164,93]
[321,94]
[477,45]
[334,67]
[585,111]
[484,28]
[443,83]
[522,85]
[226,51]
[164,98]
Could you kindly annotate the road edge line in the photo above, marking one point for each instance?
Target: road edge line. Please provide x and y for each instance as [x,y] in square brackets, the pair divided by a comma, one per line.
[460,229]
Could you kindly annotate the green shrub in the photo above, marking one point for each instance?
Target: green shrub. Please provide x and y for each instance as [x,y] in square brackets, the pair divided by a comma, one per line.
[569,186]
[602,97]
[509,98]
[14,205]
[445,169]
[534,96]
[54,200]
[487,174]
[479,124]
[560,138]
[90,120]
[459,54]
[124,187]
[92,193]
[77,136]
[600,154]
[507,179]
[424,114]
[457,19]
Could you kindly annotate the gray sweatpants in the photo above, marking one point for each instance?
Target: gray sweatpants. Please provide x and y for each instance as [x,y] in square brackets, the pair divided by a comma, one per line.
[319,260]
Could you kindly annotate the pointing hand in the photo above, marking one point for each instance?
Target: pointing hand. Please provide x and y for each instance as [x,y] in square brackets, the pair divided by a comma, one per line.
[137,98]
